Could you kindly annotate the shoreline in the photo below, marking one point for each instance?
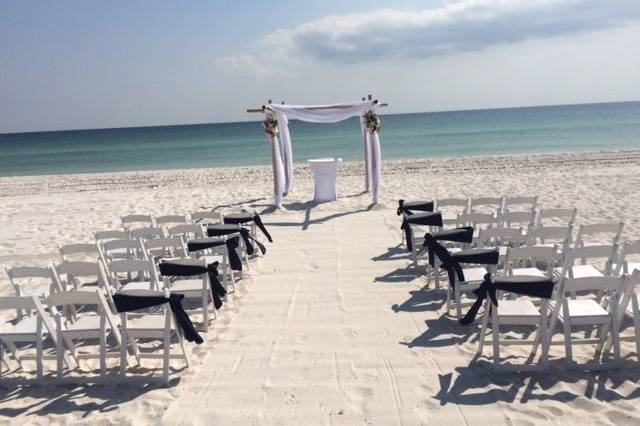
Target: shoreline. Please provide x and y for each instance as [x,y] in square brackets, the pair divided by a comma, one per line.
[137,179]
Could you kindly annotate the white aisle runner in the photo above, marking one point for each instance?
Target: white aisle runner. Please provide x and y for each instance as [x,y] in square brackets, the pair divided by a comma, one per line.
[316,341]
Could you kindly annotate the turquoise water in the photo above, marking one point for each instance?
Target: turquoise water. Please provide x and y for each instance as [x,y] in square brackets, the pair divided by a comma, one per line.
[422,135]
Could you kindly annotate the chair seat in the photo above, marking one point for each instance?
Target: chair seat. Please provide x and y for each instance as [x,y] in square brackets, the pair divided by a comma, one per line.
[146,322]
[528,271]
[139,285]
[517,308]
[212,258]
[581,308]
[180,286]
[581,271]
[631,266]
[25,327]
[474,274]
[87,323]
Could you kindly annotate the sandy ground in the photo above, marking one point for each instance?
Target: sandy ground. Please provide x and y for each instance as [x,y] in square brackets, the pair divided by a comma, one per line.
[331,327]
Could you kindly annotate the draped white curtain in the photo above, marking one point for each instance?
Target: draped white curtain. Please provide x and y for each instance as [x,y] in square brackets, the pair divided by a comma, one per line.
[282,152]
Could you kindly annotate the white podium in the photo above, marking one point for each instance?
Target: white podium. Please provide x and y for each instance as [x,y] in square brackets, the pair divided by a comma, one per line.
[324,178]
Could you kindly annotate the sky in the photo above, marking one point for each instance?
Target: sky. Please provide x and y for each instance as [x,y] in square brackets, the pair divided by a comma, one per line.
[96,64]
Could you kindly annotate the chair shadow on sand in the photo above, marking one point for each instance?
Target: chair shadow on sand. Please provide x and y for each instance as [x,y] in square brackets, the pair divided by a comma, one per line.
[393,253]
[65,398]
[480,384]
[308,207]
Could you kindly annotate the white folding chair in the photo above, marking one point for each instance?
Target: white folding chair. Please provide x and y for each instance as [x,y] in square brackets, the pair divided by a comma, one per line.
[162,248]
[478,221]
[525,219]
[520,203]
[69,274]
[451,208]
[596,233]
[86,327]
[144,274]
[587,255]
[558,236]
[556,217]
[157,326]
[587,311]
[147,233]
[136,221]
[102,236]
[79,251]
[177,219]
[516,311]
[193,287]
[34,327]
[536,261]
[32,280]
[491,205]
[625,265]
[186,232]
[630,307]
[121,249]
[205,217]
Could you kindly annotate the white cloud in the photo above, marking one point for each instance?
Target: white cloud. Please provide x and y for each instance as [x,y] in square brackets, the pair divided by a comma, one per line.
[462,26]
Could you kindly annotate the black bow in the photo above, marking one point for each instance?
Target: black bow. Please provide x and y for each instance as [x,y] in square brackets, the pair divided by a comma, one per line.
[520,284]
[226,229]
[409,207]
[451,261]
[127,303]
[199,244]
[456,235]
[191,267]
[240,218]
[427,219]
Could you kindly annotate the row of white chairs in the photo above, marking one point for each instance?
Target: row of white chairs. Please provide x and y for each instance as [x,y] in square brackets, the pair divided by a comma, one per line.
[74,299]
[611,282]
[137,220]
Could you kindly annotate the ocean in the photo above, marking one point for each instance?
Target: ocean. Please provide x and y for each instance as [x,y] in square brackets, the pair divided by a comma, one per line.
[403,136]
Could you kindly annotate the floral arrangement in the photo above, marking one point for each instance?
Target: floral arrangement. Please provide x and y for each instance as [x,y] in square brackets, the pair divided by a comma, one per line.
[372,122]
[270,125]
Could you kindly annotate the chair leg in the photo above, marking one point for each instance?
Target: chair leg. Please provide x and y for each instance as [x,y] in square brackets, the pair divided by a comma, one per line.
[59,354]
[123,351]
[495,331]
[103,349]
[636,324]
[567,340]
[39,350]
[166,358]
[456,289]
[183,348]
[483,329]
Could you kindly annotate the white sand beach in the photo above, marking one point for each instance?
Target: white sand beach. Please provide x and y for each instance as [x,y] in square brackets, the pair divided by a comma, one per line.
[331,327]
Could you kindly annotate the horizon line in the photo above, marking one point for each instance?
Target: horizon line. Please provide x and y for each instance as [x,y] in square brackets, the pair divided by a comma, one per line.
[147,126]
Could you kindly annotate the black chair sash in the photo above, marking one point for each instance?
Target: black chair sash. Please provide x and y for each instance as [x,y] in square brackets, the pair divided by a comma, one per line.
[226,229]
[524,285]
[127,303]
[451,261]
[456,235]
[199,244]
[193,267]
[427,219]
[408,207]
[240,218]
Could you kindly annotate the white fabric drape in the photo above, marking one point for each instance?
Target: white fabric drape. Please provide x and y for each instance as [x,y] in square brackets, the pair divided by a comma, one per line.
[287,155]
[278,171]
[376,165]
[282,151]
[323,113]
[367,157]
